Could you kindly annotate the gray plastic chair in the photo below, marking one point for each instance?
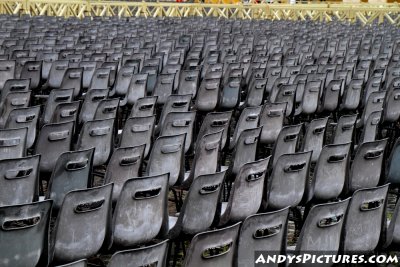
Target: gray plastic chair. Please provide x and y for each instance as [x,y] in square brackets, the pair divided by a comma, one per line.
[262,232]
[19,182]
[288,182]
[393,168]
[144,107]
[245,150]
[56,74]
[272,119]
[136,89]
[25,118]
[66,112]
[83,224]
[248,119]
[13,100]
[286,143]
[7,71]
[366,168]
[97,134]
[215,248]
[206,155]
[321,231]
[164,87]
[331,173]
[344,130]
[255,94]
[90,103]
[176,123]
[167,156]
[56,97]
[26,224]
[207,95]
[88,71]
[188,82]
[53,140]
[123,81]
[100,79]
[151,255]
[141,212]
[365,220]
[246,194]
[107,109]
[215,122]
[200,206]
[174,103]
[13,143]
[73,171]
[125,163]
[352,95]
[314,138]
[14,85]
[73,79]
[138,131]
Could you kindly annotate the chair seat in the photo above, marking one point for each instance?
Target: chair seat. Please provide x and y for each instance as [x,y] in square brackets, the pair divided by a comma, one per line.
[172,222]
[224,205]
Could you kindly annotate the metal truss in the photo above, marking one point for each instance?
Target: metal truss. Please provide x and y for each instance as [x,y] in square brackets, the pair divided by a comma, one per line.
[364,13]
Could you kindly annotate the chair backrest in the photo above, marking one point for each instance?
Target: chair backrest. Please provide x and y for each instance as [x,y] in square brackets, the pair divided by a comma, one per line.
[391,110]
[14,85]
[123,81]
[65,112]
[151,255]
[330,173]
[179,123]
[207,95]
[174,103]
[246,194]
[72,171]
[366,168]
[167,156]
[124,164]
[344,129]
[141,212]
[393,168]
[164,87]
[286,143]
[90,104]
[200,205]
[53,140]
[13,100]
[73,79]
[56,97]
[100,78]
[215,122]
[365,219]
[206,155]
[330,97]
[107,109]
[83,224]
[25,224]
[288,181]
[245,149]
[188,82]
[230,93]
[56,74]
[213,248]
[374,103]
[255,93]
[370,129]
[138,131]
[248,119]
[287,93]
[352,95]
[7,71]
[97,134]
[19,183]
[262,232]
[144,107]
[311,96]
[272,119]
[13,143]
[25,118]
[88,71]
[136,88]
[321,231]
[314,137]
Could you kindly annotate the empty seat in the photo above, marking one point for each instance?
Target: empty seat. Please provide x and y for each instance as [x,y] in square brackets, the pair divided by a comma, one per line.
[125,163]
[262,232]
[72,171]
[25,224]
[213,248]
[19,180]
[215,122]
[82,226]
[141,211]
[248,119]
[286,142]
[144,107]
[138,131]
[144,256]
[314,137]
